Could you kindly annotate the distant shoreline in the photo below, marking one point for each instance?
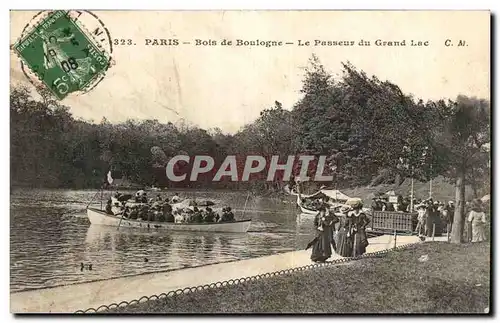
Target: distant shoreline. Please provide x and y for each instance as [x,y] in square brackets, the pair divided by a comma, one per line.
[165,190]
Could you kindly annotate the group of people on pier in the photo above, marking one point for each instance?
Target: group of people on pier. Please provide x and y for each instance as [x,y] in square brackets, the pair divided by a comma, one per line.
[403,204]
[158,209]
[435,217]
[346,235]
[383,204]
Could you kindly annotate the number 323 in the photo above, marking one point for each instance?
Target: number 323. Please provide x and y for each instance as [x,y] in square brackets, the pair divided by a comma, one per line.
[123,42]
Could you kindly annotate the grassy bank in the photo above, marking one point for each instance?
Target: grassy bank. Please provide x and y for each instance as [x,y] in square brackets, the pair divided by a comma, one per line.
[454,279]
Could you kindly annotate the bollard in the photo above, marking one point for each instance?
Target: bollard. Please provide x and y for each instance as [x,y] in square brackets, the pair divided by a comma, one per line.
[433,230]
[395,237]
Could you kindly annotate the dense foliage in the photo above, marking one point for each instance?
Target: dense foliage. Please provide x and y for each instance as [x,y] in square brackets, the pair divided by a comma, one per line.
[370,130]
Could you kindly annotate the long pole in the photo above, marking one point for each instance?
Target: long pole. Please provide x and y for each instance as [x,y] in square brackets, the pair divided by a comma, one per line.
[121,218]
[119,223]
[411,193]
[430,188]
[245,207]
[91,200]
[430,185]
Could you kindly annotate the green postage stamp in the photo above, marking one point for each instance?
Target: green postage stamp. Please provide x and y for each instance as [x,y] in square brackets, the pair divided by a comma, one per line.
[62,54]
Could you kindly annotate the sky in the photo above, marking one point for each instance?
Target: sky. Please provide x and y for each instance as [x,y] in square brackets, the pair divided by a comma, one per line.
[228,86]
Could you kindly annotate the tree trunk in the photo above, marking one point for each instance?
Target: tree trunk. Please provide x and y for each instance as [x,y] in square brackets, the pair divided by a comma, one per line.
[459,216]
[474,184]
[475,190]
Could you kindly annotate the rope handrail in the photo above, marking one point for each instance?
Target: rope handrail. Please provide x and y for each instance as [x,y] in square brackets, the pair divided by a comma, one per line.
[186,290]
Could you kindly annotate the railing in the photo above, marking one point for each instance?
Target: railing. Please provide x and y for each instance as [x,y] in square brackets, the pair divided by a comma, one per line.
[243,280]
[393,221]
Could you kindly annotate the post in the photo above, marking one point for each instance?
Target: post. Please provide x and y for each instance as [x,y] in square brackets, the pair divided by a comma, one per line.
[395,237]
[448,233]
[101,198]
[433,230]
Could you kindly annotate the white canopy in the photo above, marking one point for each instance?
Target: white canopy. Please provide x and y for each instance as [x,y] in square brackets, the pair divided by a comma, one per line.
[335,195]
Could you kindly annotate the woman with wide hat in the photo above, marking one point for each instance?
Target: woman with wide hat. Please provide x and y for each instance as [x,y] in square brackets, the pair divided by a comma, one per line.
[322,244]
[359,223]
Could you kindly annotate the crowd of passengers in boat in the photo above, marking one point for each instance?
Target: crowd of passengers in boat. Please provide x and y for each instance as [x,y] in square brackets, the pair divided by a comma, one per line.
[158,209]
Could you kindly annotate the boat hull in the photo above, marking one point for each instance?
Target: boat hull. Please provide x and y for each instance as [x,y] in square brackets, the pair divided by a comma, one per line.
[303,210]
[99,217]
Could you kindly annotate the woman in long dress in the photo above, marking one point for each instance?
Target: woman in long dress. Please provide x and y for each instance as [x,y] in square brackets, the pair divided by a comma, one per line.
[324,223]
[477,219]
[344,236]
[422,217]
[359,223]
[432,221]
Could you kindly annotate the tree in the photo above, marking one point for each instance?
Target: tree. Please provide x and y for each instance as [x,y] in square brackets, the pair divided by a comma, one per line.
[393,134]
[273,133]
[363,124]
[464,140]
[322,122]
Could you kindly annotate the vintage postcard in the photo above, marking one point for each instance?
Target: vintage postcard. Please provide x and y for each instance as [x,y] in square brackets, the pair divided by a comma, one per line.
[250,162]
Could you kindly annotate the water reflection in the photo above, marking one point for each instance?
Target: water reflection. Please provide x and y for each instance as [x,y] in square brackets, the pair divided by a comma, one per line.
[163,250]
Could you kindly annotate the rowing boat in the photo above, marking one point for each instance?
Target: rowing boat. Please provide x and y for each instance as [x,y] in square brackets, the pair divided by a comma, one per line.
[100,217]
[332,208]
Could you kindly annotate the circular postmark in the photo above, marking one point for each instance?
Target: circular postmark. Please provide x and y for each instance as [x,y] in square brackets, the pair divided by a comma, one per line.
[65,51]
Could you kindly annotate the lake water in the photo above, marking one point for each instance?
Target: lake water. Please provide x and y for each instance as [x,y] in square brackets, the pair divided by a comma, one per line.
[50,236]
